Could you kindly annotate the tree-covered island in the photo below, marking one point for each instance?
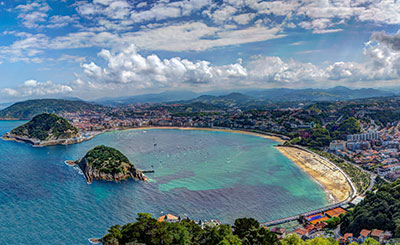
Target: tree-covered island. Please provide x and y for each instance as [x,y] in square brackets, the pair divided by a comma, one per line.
[106,163]
[45,129]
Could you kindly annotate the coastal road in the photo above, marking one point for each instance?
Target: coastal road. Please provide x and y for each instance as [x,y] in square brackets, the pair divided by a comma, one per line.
[371,174]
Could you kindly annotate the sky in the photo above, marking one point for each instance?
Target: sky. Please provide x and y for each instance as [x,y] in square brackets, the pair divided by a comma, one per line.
[109,48]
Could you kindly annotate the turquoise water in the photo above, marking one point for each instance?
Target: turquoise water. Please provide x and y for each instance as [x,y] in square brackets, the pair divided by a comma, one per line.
[203,174]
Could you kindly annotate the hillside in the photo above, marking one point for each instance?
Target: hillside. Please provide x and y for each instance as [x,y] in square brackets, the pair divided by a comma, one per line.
[331,94]
[250,97]
[26,110]
[148,98]
[379,210]
[106,163]
[229,100]
[43,129]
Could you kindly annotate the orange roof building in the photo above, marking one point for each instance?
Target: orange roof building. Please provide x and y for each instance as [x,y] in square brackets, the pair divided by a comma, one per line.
[301,231]
[167,218]
[365,232]
[376,233]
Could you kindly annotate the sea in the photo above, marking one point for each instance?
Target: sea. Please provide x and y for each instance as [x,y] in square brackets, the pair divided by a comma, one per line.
[199,174]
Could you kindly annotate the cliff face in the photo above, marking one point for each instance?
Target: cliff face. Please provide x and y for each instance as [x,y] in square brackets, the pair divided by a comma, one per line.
[92,173]
[108,169]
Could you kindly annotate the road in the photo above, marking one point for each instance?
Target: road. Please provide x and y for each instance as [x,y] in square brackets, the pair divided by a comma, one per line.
[371,174]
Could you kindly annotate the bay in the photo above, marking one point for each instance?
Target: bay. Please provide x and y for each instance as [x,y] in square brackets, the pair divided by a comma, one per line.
[202,174]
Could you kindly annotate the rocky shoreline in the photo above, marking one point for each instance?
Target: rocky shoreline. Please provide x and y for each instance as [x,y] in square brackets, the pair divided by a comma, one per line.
[39,143]
[92,174]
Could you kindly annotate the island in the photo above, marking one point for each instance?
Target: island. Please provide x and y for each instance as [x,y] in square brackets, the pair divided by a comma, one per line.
[107,163]
[46,129]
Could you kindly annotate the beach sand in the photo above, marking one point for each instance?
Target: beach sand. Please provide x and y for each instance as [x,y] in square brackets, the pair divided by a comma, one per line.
[322,171]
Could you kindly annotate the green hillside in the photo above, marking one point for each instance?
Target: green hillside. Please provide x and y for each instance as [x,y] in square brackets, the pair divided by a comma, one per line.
[108,160]
[46,127]
[26,110]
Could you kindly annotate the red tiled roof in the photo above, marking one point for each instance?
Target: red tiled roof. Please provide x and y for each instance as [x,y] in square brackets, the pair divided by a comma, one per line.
[310,227]
[376,233]
[301,231]
[167,217]
[365,232]
[348,235]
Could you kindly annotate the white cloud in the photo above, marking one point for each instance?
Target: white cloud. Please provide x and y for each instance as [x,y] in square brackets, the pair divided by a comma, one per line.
[244,19]
[274,69]
[57,21]
[33,13]
[198,36]
[223,14]
[129,67]
[32,88]
[31,20]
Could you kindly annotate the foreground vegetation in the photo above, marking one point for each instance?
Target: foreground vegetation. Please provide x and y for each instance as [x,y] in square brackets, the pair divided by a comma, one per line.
[247,231]
[380,210]
[46,126]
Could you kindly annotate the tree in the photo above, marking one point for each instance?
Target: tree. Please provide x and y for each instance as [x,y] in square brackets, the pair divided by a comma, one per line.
[333,222]
[346,127]
[221,234]
[292,239]
[370,241]
[243,225]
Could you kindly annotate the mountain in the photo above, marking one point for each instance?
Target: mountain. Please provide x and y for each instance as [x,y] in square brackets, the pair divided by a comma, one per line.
[331,94]
[106,163]
[148,98]
[45,129]
[26,110]
[232,99]
[245,96]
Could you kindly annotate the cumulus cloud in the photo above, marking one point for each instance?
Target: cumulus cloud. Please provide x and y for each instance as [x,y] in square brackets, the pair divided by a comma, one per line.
[130,67]
[33,88]
[129,71]
[391,41]
[381,63]
[274,69]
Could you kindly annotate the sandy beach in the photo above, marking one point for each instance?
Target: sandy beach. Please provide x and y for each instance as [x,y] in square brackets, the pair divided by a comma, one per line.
[322,171]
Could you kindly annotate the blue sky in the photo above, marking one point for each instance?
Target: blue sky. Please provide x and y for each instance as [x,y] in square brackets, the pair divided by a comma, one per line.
[92,49]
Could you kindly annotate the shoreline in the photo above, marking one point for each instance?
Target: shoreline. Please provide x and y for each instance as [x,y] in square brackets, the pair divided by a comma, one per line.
[334,183]
[322,171]
[21,139]
[238,131]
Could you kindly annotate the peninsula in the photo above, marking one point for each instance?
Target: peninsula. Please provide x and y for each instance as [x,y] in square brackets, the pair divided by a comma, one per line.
[45,129]
[107,163]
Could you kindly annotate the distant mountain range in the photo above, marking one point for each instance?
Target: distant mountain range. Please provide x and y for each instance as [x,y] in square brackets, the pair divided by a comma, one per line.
[330,94]
[261,98]
[248,96]
[148,98]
